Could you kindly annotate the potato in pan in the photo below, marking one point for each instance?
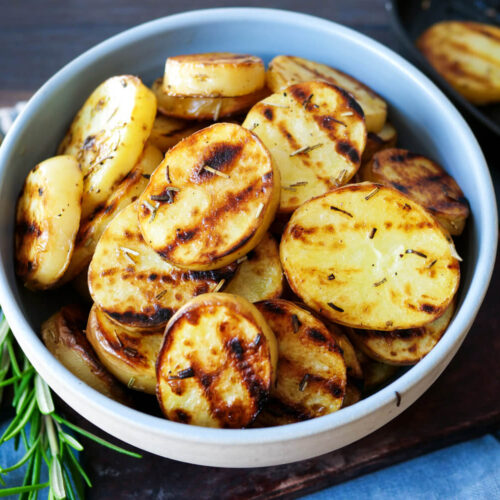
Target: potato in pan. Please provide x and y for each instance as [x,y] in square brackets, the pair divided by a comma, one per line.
[259,275]
[316,134]
[63,335]
[212,198]
[369,257]
[311,375]
[130,355]
[424,181]
[288,70]
[108,134]
[132,284]
[217,362]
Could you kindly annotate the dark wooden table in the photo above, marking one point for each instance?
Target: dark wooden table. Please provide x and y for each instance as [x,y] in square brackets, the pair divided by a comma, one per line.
[36,39]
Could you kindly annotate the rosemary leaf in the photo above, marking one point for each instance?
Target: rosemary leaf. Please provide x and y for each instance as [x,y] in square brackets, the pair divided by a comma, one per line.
[37,465]
[12,355]
[56,479]
[51,433]
[23,388]
[68,486]
[20,423]
[71,441]
[43,396]
[76,467]
[4,330]
[21,489]
[24,459]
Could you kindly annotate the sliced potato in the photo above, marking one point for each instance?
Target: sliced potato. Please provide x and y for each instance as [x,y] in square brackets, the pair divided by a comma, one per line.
[168,131]
[312,374]
[108,135]
[217,362]
[422,180]
[204,108]
[131,283]
[287,70]
[92,227]
[259,276]
[376,142]
[214,74]
[367,256]
[63,336]
[47,220]
[467,55]
[352,363]
[402,347]
[129,355]
[316,134]
[212,198]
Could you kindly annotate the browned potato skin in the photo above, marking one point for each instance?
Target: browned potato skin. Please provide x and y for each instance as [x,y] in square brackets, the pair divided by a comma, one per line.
[63,336]
[376,142]
[304,346]
[422,180]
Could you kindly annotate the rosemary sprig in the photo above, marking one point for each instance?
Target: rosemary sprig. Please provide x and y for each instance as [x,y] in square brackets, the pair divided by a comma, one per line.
[48,443]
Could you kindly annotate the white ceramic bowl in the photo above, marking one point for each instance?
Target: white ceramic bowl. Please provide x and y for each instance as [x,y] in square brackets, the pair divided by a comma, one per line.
[427,123]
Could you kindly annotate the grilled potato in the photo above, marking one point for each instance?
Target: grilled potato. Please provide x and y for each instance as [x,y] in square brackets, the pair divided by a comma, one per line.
[63,336]
[129,355]
[422,180]
[212,198]
[467,55]
[316,134]
[402,347]
[131,283]
[204,108]
[312,375]
[217,362]
[287,70]
[384,139]
[259,276]
[214,74]
[168,131]
[47,219]
[108,135]
[367,256]
[352,363]
[376,374]
[94,225]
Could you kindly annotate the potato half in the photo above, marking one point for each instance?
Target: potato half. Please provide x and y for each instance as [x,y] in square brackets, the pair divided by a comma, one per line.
[204,108]
[367,256]
[108,135]
[63,336]
[402,347]
[212,198]
[316,134]
[422,180]
[131,283]
[287,70]
[214,74]
[467,55]
[217,362]
[129,355]
[92,227]
[259,276]
[312,374]
[47,220]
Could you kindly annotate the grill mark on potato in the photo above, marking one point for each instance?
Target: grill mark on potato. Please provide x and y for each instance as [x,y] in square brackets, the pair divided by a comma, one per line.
[429,308]
[315,335]
[182,416]
[346,149]
[220,156]
[159,316]
[287,412]
[329,123]
[288,136]
[268,113]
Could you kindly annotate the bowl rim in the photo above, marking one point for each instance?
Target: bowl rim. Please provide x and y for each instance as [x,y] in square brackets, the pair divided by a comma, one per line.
[487,228]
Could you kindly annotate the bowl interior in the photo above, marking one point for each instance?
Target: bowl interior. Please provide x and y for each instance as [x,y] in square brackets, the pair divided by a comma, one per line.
[424,118]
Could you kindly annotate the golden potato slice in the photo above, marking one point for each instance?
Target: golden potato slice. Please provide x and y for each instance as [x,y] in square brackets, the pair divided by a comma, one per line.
[204,108]
[467,55]
[422,180]
[212,198]
[214,74]
[259,276]
[129,355]
[63,336]
[367,256]
[217,362]
[108,135]
[352,363]
[47,220]
[168,131]
[131,283]
[92,227]
[402,347]
[287,70]
[316,134]
[384,139]
[311,369]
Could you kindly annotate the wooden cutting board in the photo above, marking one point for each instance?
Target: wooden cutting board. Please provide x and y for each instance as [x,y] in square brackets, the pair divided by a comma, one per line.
[463,403]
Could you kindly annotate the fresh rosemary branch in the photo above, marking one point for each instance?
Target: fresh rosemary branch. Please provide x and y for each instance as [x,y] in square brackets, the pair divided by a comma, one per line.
[42,431]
